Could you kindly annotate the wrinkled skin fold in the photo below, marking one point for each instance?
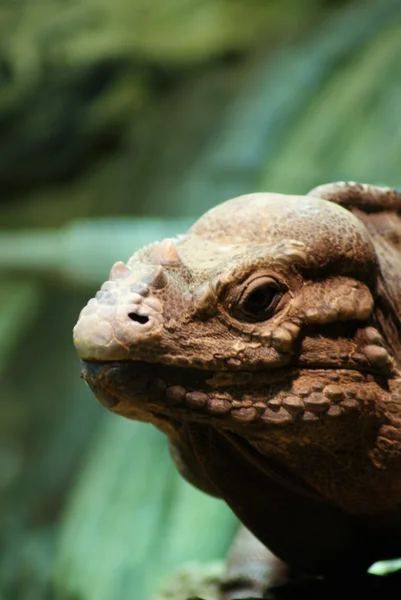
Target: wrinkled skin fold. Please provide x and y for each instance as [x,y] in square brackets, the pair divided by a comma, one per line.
[265,344]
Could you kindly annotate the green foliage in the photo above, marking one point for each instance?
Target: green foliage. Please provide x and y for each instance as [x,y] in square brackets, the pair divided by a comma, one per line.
[351,117]
[82,253]
[20,303]
[147,114]
[79,33]
[72,74]
[139,504]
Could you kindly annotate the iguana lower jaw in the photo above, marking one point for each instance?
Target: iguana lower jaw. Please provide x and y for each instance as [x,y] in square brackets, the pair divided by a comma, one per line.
[240,400]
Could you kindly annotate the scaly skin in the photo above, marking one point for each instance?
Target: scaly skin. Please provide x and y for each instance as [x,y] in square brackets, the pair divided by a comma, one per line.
[265,343]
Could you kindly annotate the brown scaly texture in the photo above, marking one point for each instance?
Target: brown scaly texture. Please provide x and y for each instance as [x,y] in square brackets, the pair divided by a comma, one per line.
[265,343]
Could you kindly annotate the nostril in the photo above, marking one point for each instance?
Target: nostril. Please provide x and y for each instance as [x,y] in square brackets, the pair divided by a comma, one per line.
[138,318]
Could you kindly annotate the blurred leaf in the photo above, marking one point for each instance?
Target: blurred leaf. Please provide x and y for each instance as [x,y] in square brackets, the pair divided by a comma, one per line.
[276,95]
[82,253]
[132,512]
[351,117]
[193,580]
[164,31]
[47,424]
[384,567]
[19,305]
[73,74]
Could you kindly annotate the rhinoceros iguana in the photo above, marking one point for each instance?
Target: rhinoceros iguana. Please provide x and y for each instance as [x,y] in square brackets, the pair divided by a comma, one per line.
[265,343]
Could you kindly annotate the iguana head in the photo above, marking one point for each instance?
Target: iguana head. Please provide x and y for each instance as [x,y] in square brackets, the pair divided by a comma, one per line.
[263,342]
[262,315]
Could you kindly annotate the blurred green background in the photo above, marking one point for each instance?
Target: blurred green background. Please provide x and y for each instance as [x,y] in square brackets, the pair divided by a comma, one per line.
[120,122]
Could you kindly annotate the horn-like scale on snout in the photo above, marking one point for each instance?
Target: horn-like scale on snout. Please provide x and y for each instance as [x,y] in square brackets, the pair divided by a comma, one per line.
[125,310]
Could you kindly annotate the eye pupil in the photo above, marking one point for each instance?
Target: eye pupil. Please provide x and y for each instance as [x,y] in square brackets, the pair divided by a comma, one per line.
[256,299]
[259,299]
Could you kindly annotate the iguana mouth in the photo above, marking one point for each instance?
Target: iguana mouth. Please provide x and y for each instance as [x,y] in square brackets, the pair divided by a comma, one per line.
[280,397]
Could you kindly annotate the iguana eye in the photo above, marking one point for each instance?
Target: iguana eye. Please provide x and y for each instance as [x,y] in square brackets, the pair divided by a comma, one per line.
[258,299]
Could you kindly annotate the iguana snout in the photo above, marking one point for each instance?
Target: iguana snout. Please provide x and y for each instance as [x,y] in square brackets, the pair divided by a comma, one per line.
[123,313]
